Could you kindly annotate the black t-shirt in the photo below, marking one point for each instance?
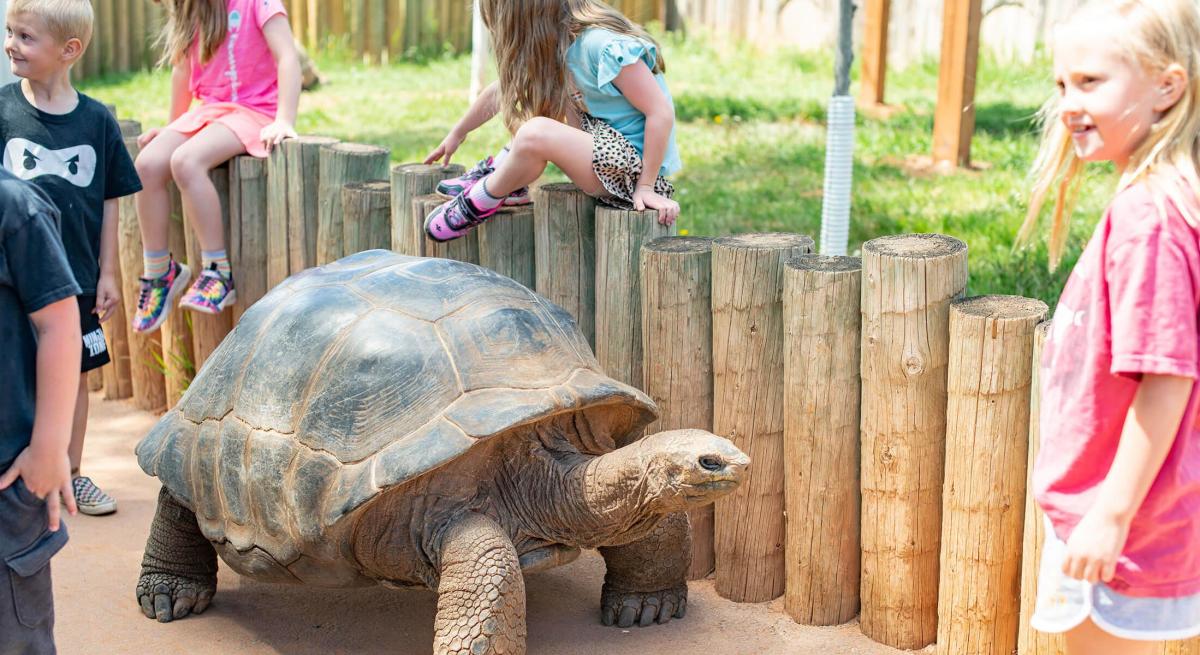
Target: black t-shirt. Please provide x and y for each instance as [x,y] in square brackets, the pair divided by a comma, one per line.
[34,273]
[79,159]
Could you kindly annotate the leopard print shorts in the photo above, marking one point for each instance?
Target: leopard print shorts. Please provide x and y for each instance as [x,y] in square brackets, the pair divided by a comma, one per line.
[618,164]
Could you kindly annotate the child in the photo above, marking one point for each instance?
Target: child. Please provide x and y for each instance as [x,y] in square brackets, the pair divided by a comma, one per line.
[39,327]
[70,146]
[578,61]
[239,59]
[1118,474]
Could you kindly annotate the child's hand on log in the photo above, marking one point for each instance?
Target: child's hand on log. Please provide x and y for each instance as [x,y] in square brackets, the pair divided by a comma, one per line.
[274,134]
[446,149]
[646,198]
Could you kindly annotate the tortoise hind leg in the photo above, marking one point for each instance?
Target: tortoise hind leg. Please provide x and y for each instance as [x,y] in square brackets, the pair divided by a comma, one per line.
[481,593]
[179,569]
[646,580]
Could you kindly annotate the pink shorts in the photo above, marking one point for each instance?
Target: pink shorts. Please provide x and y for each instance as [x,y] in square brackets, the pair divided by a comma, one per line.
[246,123]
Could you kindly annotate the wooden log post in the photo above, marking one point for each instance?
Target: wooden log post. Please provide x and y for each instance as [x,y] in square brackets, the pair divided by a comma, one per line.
[147,383]
[565,250]
[506,245]
[677,353]
[908,284]
[409,182]
[367,218]
[954,119]
[874,52]
[340,164]
[987,440]
[293,183]
[620,235]
[117,383]
[463,249]
[129,127]
[248,230]
[821,342]
[747,306]
[179,365]
[209,330]
[95,380]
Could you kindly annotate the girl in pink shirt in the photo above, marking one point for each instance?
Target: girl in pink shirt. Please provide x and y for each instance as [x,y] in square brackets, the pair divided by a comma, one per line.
[239,59]
[1118,473]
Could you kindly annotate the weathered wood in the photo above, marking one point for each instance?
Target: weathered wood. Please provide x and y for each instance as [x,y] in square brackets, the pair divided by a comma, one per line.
[954,118]
[278,246]
[129,127]
[908,284]
[95,380]
[367,215]
[117,383]
[987,419]
[506,244]
[874,52]
[248,230]
[821,340]
[209,330]
[747,302]
[301,175]
[145,350]
[410,181]
[121,37]
[340,164]
[565,249]
[677,342]
[464,249]
[178,360]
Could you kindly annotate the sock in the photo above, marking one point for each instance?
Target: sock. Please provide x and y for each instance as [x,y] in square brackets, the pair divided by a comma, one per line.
[479,196]
[219,258]
[499,157]
[155,263]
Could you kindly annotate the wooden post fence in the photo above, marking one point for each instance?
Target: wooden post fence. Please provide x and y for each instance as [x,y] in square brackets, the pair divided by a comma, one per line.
[295,165]
[248,230]
[208,330]
[367,210]
[410,181]
[117,382]
[565,237]
[506,245]
[178,357]
[463,249]
[340,164]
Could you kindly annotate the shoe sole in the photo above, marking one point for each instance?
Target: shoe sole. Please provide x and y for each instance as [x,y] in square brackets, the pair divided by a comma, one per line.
[100,509]
[181,281]
[509,202]
[229,301]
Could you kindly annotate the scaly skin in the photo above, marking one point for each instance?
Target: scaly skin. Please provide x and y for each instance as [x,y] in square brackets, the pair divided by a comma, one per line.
[481,594]
[646,581]
[179,569]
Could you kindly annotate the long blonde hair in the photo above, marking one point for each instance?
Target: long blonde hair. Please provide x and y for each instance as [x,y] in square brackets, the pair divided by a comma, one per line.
[1155,35]
[531,38]
[189,20]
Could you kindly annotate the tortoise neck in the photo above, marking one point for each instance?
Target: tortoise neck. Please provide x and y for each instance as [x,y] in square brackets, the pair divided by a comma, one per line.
[616,500]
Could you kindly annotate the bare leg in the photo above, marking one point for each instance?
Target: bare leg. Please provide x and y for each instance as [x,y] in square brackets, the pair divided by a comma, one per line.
[646,580]
[179,569]
[190,165]
[481,594]
[1089,639]
[541,141]
[154,201]
[79,426]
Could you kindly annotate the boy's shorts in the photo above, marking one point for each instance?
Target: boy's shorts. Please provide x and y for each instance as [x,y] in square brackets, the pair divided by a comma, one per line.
[95,350]
[26,594]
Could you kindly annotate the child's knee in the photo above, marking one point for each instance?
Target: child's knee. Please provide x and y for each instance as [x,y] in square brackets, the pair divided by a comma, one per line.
[152,168]
[184,169]
[533,135]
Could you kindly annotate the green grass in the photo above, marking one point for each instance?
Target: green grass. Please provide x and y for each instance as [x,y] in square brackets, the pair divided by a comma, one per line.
[752,140]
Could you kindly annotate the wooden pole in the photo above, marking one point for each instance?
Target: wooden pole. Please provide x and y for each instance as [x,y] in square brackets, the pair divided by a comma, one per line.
[620,235]
[954,118]
[299,171]
[408,182]
[677,353]
[178,359]
[248,230]
[874,52]
[464,249]
[121,20]
[506,244]
[139,35]
[564,227]
[987,419]
[368,209]
[117,383]
[340,164]
[278,218]
[747,305]
[209,330]
[821,341]
[95,379]
[908,284]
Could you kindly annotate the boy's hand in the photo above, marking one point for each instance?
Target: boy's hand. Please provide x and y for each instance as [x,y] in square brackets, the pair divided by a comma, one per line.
[644,198]
[47,475]
[446,149]
[274,134]
[1094,547]
[148,136]
[108,294]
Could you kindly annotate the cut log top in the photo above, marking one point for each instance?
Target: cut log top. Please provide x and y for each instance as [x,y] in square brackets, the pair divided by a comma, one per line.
[1001,307]
[370,186]
[914,246]
[356,149]
[430,199]
[559,187]
[825,263]
[766,241]
[315,140]
[425,169]
[680,245]
[130,127]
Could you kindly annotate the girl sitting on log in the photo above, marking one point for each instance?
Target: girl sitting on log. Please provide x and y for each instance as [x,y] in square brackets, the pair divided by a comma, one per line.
[1118,474]
[238,57]
[581,87]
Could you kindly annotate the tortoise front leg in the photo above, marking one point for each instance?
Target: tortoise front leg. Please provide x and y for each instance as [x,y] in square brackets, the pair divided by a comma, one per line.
[481,594]
[646,581]
[179,569]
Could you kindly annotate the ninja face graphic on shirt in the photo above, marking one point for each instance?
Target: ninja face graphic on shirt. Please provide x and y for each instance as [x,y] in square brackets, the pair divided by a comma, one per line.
[28,160]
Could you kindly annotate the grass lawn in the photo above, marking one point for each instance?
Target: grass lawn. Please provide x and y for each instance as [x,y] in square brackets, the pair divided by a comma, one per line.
[752,139]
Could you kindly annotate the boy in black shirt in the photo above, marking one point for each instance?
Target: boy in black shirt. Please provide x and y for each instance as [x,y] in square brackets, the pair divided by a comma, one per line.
[71,147]
[39,327]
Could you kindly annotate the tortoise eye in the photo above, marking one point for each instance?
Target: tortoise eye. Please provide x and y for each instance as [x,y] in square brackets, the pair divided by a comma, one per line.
[710,463]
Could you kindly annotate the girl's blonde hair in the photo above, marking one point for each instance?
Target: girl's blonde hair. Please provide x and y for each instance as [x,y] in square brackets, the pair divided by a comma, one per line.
[1155,35]
[531,38]
[189,20]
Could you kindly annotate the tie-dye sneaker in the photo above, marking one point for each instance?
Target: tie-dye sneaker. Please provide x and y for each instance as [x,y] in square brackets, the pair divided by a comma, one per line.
[158,296]
[211,293]
[456,217]
[455,186]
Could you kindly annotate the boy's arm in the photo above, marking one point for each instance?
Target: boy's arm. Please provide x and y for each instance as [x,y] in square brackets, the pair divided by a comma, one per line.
[108,292]
[278,34]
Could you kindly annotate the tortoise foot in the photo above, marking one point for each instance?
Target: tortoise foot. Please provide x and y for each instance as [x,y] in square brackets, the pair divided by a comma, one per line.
[626,608]
[166,596]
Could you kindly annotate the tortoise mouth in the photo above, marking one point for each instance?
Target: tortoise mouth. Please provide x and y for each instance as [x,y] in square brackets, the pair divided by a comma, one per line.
[706,488]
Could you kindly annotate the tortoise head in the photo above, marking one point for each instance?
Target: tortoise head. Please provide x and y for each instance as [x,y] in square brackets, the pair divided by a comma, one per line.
[682,469]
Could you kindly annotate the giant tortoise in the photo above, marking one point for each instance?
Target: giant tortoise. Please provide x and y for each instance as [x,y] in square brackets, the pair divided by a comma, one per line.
[421,422]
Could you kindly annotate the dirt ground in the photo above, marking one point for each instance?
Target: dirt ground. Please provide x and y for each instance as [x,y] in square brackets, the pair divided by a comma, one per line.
[94,577]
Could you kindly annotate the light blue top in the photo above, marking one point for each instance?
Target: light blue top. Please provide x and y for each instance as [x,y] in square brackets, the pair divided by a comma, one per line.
[595,59]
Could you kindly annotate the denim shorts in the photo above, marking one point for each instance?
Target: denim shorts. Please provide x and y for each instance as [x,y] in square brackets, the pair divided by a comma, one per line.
[26,595]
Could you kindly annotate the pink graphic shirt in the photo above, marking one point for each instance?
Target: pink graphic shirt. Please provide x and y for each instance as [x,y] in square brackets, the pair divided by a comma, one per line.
[1129,308]
[243,70]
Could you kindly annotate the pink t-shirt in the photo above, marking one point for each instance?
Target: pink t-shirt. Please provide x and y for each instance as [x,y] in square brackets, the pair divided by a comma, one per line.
[243,69]
[1129,308]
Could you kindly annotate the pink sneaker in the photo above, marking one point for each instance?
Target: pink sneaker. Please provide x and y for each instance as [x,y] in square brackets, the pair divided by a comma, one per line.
[158,295]
[456,217]
[456,186]
[211,293]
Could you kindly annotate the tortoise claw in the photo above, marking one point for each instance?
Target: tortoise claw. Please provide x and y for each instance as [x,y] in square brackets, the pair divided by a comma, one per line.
[627,608]
[167,597]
